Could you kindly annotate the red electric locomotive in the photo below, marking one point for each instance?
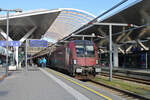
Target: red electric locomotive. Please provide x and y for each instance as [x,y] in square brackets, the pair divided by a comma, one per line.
[78,57]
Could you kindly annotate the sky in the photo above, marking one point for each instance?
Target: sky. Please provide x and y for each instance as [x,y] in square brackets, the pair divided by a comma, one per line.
[95,7]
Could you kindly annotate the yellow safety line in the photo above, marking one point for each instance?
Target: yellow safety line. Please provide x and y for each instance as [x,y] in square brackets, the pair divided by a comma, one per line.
[82,86]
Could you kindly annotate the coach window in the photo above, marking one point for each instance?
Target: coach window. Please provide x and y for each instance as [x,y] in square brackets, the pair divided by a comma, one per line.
[60,53]
[68,50]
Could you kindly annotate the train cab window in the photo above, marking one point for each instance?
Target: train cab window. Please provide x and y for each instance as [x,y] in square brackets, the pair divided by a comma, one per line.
[90,51]
[80,50]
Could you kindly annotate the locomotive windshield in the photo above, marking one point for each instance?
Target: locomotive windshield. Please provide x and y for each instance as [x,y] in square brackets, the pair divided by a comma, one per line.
[85,50]
[80,50]
[90,50]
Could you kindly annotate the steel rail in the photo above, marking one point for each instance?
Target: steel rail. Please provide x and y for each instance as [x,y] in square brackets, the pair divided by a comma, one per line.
[138,80]
[121,90]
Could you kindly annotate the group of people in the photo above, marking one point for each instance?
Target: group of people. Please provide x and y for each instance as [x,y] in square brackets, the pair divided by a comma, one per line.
[42,62]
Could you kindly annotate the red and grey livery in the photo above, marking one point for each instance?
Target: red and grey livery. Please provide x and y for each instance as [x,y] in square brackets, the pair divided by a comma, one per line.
[78,57]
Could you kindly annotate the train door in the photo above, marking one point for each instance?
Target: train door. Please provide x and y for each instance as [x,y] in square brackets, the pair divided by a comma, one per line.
[67,57]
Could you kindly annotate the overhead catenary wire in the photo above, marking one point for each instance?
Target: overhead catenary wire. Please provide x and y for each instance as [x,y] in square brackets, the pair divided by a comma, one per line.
[117,5]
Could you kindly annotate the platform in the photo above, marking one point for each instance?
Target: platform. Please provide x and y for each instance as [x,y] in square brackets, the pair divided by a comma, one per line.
[132,72]
[2,73]
[42,85]
[143,71]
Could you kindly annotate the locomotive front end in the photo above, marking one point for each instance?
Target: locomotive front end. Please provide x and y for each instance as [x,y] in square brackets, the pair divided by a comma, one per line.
[85,60]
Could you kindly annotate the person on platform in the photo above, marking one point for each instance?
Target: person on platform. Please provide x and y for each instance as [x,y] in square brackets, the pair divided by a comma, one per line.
[44,62]
[40,62]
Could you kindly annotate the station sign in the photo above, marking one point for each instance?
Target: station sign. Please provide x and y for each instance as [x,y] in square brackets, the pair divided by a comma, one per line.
[38,43]
[10,43]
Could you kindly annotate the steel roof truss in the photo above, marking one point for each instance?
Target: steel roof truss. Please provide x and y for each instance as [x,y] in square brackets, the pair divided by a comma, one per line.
[121,35]
[142,45]
[103,34]
[120,49]
[144,31]
[127,36]
[5,35]
[28,34]
[129,48]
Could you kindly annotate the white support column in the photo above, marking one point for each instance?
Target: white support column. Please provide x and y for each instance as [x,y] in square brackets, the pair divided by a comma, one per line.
[110,41]
[110,51]
[25,38]
[146,62]
[16,51]
[26,62]
[13,55]
[115,56]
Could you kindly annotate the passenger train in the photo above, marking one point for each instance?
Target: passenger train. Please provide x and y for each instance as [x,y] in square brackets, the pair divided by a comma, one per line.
[78,57]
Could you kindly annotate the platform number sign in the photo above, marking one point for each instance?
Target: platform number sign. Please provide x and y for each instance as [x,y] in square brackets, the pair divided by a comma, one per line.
[10,43]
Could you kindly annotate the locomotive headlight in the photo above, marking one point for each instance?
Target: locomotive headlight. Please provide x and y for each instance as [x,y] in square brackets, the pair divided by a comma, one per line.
[79,70]
[74,61]
[97,70]
[96,61]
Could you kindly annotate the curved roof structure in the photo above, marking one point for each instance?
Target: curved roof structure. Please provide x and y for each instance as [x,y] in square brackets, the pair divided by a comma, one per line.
[52,24]
[67,22]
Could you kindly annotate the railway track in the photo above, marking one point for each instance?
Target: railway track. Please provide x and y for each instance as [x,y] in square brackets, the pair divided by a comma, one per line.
[123,93]
[138,80]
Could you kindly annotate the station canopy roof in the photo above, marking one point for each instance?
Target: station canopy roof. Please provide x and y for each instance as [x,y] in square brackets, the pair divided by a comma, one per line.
[67,22]
[51,25]
[21,23]
[135,16]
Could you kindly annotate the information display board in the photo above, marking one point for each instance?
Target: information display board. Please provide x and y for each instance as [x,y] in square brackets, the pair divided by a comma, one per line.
[38,43]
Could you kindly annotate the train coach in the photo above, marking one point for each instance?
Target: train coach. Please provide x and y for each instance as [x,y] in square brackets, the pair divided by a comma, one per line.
[78,57]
